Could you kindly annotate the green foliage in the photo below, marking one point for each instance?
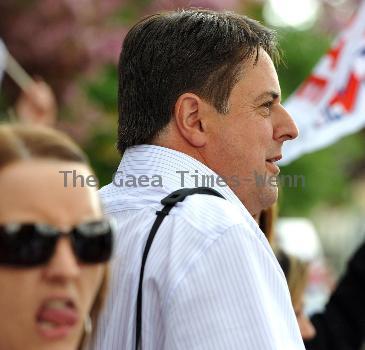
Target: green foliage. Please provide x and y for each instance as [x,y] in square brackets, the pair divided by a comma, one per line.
[127,14]
[101,149]
[102,152]
[327,176]
[301,50]
[103,90]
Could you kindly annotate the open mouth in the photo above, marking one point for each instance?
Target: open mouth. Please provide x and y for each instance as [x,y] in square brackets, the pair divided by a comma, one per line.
[56,318]
[274,159]
[270,164]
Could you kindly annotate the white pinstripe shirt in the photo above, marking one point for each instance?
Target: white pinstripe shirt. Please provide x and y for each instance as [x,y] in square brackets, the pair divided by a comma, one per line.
[211,280]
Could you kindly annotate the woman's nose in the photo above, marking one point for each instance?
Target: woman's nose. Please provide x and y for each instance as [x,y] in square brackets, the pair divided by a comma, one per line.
[63,265]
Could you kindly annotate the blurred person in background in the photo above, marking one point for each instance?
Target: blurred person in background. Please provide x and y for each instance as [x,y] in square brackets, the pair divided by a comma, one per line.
[296,272]
[36,103]
[54,243]
[267,221]
[341,326]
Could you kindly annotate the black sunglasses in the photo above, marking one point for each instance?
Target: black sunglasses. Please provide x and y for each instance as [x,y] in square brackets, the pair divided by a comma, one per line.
[29,245]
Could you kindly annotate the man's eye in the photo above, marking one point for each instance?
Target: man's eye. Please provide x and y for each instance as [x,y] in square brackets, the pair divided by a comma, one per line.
[266,108]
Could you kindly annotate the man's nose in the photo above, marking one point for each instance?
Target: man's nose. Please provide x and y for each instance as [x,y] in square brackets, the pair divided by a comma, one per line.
[285,128]
[63,265]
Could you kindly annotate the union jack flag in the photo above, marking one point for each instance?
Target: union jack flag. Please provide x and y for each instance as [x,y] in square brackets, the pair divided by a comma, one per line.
[330,103]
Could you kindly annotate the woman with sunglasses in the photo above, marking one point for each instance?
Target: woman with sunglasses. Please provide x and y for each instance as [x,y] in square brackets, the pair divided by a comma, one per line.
[54,243]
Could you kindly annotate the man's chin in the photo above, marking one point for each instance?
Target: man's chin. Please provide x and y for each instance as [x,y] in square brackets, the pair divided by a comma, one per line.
[269,196]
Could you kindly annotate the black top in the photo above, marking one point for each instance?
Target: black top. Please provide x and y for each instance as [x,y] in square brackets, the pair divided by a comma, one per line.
[342,324]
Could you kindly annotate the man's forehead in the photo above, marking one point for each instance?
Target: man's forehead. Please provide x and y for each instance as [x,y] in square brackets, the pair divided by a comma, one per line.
[258,86]
[259,78]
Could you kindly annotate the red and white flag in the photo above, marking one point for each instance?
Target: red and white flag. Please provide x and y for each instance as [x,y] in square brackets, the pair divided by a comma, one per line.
[330,103]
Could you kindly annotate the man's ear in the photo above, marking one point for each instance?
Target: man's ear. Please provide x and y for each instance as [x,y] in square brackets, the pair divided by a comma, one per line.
[189,118]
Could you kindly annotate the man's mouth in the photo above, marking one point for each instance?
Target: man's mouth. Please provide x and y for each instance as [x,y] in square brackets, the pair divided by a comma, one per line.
[270,164]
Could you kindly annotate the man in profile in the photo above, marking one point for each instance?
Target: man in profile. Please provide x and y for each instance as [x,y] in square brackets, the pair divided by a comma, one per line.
[198,97]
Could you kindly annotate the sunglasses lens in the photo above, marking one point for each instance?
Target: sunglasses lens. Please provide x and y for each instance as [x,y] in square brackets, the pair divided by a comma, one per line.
[25,245]
[93,242]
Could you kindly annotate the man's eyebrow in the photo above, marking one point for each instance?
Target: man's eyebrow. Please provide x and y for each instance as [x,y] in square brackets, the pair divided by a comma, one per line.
[273,94]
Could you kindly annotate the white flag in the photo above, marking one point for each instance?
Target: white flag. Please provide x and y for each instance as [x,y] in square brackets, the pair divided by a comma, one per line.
[330,103]
[3,59]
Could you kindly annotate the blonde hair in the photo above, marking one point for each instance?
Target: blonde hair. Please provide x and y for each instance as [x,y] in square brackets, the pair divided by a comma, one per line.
[267,221]
[296,272]
[19,142]
[297,279]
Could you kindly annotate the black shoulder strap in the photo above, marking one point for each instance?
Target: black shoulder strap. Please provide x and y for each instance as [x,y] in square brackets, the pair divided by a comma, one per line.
[168,202]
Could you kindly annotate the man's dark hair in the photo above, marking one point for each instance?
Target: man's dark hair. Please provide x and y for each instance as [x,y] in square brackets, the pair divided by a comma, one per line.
[166,55]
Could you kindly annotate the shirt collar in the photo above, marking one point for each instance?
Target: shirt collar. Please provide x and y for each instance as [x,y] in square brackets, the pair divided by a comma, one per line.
[176,170]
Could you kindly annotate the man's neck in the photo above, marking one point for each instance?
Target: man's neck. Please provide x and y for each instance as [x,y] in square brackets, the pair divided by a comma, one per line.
[177,143]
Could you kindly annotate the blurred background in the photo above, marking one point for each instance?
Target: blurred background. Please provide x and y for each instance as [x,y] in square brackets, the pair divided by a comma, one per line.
[74,47]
